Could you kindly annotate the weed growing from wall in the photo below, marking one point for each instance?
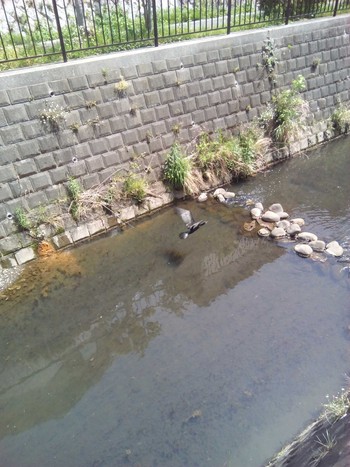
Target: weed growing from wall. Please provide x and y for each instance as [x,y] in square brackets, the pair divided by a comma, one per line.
[340,119]
[53,116]
[177,167]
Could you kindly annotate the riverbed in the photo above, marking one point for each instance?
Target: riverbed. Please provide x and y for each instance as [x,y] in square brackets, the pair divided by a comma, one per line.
[144,349]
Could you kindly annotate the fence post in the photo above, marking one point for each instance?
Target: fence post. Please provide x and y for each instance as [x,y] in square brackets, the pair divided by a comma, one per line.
[288,12]
[335,7]
[229,6]
[155,25]
[59,30]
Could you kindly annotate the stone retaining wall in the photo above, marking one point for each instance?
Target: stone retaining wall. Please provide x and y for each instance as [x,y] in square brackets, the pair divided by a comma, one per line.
[173,91]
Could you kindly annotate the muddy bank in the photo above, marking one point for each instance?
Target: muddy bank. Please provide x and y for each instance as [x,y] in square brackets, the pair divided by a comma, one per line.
[324,443]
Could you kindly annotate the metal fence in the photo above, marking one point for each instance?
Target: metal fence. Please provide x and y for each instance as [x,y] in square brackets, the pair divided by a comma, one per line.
[38,31]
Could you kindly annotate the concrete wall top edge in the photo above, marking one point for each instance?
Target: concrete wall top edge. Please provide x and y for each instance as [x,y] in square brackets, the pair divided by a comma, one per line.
[94,64]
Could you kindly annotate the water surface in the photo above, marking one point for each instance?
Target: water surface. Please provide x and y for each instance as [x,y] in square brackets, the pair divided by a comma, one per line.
[144,349]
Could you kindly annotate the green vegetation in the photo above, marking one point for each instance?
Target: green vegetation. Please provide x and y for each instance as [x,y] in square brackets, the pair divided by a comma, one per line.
[121,87]
[53,116]
[269,59]
[135,187]
[340,119]
[337,406]
[177,167]
[22,219]
[285,118]
[74,191]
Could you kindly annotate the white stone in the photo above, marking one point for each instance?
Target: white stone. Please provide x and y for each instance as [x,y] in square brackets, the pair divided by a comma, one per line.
[276,207]
[221,198]
[293,229]
[284,224]
[202,197]
[278,232]
[298,220]
[283,215]
[218,191]
[259,206]
[306,237]
[229,194]
[333,248]
[255,213]
[303,250]
[318,245]
[264,232]
[270,216]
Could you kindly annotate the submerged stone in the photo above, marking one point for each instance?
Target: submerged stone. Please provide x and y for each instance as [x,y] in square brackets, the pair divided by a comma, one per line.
[306,237]
[255,213]
[278,232]
[318,245]
[276,207]
[284,224]
[264,232]
[293,229]
[298,220]
[202,197]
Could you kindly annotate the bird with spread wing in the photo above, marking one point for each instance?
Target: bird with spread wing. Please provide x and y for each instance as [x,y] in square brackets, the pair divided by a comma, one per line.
[188,219]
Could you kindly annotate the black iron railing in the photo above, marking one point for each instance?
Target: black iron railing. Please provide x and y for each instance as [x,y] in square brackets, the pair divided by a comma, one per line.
[33,31]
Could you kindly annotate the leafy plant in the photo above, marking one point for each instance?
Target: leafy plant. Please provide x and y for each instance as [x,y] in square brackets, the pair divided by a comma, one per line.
[269,59]
[337,406]
[315,63]
[177,167]
[135,187]
[53,116]
[289,111]
[74,191]
[341,119]
[121,87]
[22,219]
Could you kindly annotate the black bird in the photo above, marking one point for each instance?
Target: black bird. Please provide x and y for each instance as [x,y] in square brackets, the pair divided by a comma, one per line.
[191,225]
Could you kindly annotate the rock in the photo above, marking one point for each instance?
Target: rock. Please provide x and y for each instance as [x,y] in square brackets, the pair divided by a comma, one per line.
[298,220]
[284,224]
[221,198]
[267,225]
[202,197]
[278,232]
[270,216]
[303,250]
[229,194]
[256,213]
[24,255]
[283,215]
[249,226]
[259,206]
[219,191]
[293,229]
[333,248]
[306,237]
[318,245]
[276,207]
[264,232]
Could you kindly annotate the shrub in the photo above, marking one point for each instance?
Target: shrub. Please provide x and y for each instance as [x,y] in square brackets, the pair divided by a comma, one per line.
[177,167]
[289,112]
[341,119]
[74,191]
[135,187]
[53,116]
[22,219]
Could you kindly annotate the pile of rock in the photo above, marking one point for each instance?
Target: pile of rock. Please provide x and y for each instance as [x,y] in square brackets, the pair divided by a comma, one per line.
[274,223]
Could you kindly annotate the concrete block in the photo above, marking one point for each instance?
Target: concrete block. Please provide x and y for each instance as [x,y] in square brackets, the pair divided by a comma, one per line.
[9,154]
[202,101]
[4,98]
[198,116]
[111,159]
[114,141]
[66,138]
[11,135]
[183,76]
[155,82]
[106,110]
[94,164]
[141,148]
[95,227]
[95,79]
[130,137]
[144,69]
[54,193]
[35,200]
[241,77]
[175,108]
[197,73]
[40,181]
[10,244]
[15,114]
[59,86]
[214,98]
[152,99]
[155,145]
[237,51]
[77,83]
[162,112]
[109,222]
[45,162]
[166,95]
[5,193]
[173,63]
[62,240]
[248,89]
[126,214]
[209,70]
[18,95]
[200,58]
[77,170]
[48,143]
[193,89]
[98,146]
[85,133]
[148,116]
[222,110]
[25,255]
[90,181]
[189,105]
[117,124]
[26,167]
[206,85]
[7,173]
[79,233]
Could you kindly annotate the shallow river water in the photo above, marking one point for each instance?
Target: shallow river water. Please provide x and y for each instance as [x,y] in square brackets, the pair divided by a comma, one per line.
[142,349]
